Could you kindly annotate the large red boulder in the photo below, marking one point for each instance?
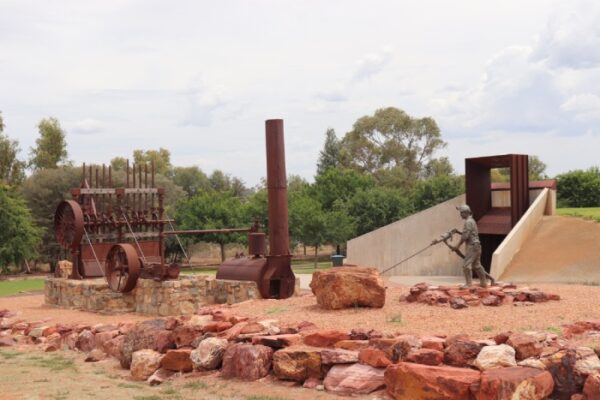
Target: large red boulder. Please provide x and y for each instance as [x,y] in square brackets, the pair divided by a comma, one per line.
[515,383]
[347,287]
[353,379]
[247,361]
[407,381]
[425,356]
[591,388]
[374,357]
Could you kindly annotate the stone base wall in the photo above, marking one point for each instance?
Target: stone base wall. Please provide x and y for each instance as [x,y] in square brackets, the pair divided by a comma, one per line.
[177,297]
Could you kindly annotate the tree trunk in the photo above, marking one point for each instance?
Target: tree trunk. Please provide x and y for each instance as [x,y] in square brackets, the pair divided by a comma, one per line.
[316,255]
[27,268]
[337,250]
[304,249]
[222,251]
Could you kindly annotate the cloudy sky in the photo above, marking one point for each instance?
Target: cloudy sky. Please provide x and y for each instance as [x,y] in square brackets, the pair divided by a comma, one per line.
[200,77]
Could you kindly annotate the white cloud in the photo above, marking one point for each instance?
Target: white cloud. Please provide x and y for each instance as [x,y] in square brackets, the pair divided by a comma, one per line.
[372,64]
[87,126]
[585,107]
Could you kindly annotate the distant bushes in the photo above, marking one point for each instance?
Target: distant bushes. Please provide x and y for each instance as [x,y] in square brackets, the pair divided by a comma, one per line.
[579,188]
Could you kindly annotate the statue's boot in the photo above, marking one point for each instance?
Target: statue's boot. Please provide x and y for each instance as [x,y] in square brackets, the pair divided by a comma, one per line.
[468,279]
[480,272]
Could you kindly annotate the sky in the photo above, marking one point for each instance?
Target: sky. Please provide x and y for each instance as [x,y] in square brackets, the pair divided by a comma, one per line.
[199,78]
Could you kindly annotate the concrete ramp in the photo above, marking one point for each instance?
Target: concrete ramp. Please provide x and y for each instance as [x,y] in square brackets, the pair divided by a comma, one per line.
[559,249]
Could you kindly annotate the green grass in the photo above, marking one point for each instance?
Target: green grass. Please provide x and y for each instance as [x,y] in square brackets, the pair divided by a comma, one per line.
[129,385]
[151,397]
[591,213]
[395,319]
[487,328]
[554,329]
[56,363]
[275,310]
[9,355]
[264,398]
[195,385]
[12,287]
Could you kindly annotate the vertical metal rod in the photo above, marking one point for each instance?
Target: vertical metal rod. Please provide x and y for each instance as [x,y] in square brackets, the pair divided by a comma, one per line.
[127,185]
[91,182]
[110,207]
[83,178]
[140,185]
[133,207]
[146,194]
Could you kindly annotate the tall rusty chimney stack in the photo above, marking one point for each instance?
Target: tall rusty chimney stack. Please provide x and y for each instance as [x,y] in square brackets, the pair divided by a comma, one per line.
[279,242]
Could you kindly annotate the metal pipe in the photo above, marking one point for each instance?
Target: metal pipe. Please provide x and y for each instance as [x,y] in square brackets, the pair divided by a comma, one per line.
[207,231]
[277,189]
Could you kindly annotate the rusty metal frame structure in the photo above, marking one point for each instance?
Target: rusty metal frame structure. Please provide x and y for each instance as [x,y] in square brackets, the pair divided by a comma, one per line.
[495,223]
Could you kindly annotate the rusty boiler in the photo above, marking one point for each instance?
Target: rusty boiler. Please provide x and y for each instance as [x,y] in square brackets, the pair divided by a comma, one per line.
[272,273]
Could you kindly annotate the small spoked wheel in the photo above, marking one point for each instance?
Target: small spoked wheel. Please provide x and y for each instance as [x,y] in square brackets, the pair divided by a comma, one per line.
[122,267]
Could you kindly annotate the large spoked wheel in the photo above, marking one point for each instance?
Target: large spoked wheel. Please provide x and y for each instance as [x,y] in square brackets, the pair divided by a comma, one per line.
[68,224]
[122,267]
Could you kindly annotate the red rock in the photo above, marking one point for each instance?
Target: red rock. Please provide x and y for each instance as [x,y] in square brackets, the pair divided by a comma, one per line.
[218,326]
[326,338]
[85,341]
[164,341]
[404,345]
[312,383]
[462,353]
[95,356]
[508,301]
[353,379]
[491,300]
[234,331]
[347,287]
[184,335]
[53,342]
[525,345]
[364,334]
[562,367]
[355,345]
[384,344]
[426,357]
[171,323]
[338,356]
[222,315]
[144,363]
[515,383]
[177,360]
[306,326]
[591,388]
[502,337]
[159,376]
[103,337]
[104,328]
[433,297]
[49,330]
[252,327]
[457,303]
[113,347]
[246,361]
[407,381]
[277,341]
[552,296]
[209,353]
[141,336]
[433,342]
[374,357]
[297,363]
[6,341]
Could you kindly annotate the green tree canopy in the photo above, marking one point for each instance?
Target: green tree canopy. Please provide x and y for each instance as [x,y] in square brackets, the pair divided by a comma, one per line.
[12,170]
[19,236]
[436,190]
[377,207]
[212,210]
[339,184]
[392,142]
[160,157]
[537,171]
[118,163]
[51,146]
[579,188]
[191,179]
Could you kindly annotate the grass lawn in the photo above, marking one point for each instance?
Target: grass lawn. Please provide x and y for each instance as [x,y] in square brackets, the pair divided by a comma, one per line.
[12,287]
[305,267]
[592,213]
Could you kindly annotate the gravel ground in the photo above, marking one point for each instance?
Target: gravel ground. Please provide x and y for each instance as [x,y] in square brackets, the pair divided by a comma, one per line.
[577,302]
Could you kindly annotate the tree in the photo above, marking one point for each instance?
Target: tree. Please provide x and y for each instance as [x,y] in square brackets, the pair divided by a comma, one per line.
[308,221]
[392,142]
[212,211]
[160,157]
[339,184]
[579,188]
[118,163]
[191,179]
[377,207]
[330,156]
[12,170]
[19,237]
[438,167]
[51,146]
[43,191]
[436,190]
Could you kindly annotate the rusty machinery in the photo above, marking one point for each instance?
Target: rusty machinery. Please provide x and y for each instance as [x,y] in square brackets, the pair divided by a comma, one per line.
[119,232]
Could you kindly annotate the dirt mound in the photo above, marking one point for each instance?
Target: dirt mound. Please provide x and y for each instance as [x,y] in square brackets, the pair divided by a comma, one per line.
[560,249]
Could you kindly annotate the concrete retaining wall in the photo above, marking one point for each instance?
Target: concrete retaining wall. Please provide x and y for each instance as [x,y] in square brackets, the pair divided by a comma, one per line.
[517,236]
[386,246]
